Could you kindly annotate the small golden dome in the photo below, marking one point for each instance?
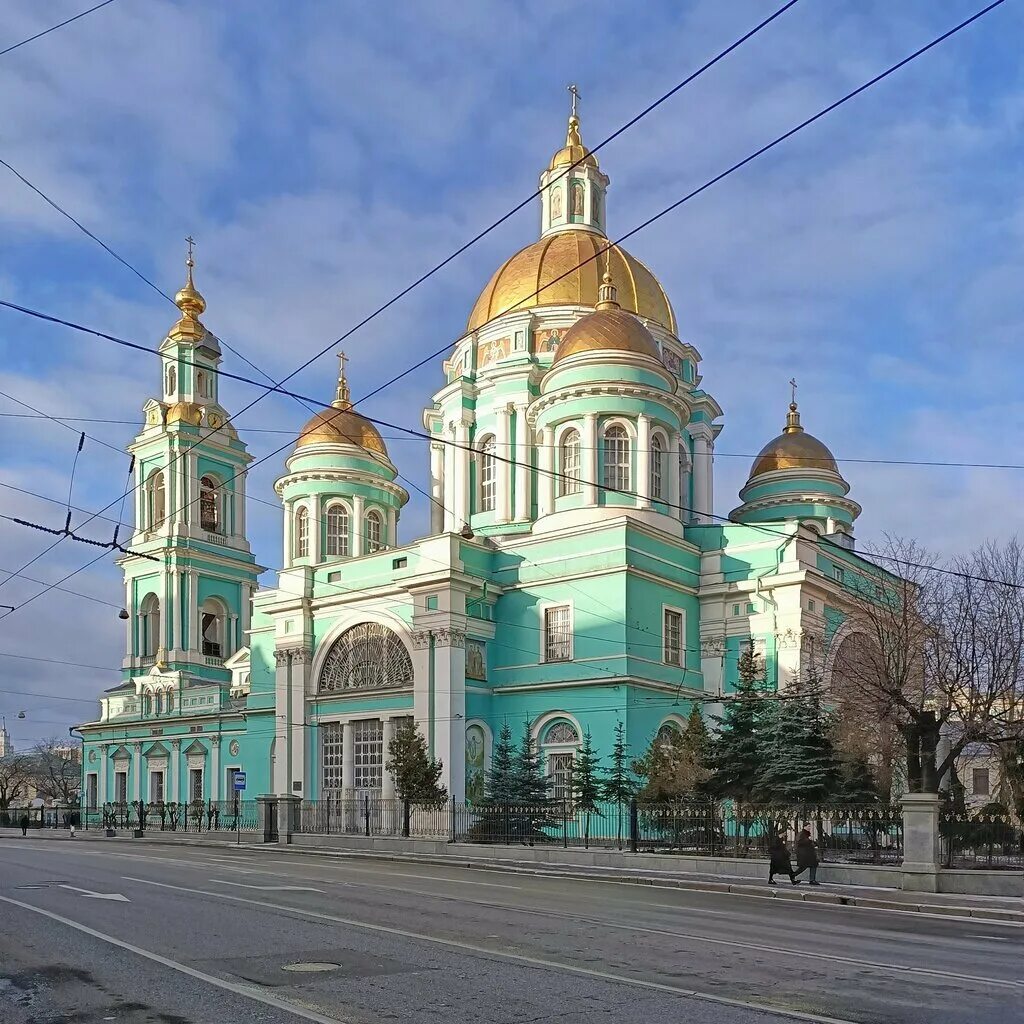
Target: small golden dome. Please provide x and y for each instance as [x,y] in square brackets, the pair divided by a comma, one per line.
[609,329]
[192,305]
[794,448]
[573,152]
[341,424]
[534,277]
[185,412]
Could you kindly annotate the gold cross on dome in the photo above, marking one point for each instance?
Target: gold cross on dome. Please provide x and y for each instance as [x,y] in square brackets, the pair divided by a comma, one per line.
[574,91]
[792,389]
[342,360]
[191,242]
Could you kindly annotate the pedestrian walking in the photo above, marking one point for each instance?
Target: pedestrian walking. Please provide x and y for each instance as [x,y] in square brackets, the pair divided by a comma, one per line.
[807,856]
[24,824]
[779,860]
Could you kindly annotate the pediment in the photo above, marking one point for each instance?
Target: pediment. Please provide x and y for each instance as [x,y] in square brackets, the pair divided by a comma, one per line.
[195,748]
[240,659]
[157,750]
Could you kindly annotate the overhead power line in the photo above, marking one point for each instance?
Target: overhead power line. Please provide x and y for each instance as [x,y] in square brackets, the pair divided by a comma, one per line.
[53,28]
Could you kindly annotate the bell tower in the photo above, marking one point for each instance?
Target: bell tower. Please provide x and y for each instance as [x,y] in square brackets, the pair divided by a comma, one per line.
[188,590]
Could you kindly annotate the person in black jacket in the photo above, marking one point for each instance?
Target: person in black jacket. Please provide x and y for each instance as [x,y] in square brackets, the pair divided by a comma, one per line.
[807,856]
[779,860]
[24,824]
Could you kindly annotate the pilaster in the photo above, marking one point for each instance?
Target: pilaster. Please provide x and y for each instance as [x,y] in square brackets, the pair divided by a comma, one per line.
[643,461]
[436,487]
[588,459]
[522,467]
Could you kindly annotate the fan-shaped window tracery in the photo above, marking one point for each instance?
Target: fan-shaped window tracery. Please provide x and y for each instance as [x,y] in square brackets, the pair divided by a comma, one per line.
[368,656]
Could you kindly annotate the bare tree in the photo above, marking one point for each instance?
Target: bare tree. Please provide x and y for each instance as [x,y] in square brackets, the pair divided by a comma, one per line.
[57,771]
[15,775]
[936,651]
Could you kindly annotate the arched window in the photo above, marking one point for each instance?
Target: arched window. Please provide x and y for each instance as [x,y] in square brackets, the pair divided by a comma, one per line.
[669,734]
[559,746]
[201,384]
[147,703]
[170,701]
[337,530]
[149,621]
[374,526]
[215,632]
[209,504]
[569,463]
[367,656]
[657,467]
[301,537]
[616,458]
[172,380]
[158,703]
[156,499]
[576,194]
[488,475]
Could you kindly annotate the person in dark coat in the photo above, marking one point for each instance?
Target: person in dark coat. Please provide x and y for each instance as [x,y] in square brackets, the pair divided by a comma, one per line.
[807,856]
[24,824]
[779,860]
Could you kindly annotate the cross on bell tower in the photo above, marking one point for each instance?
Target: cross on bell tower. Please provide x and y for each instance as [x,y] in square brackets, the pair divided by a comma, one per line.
[575,93]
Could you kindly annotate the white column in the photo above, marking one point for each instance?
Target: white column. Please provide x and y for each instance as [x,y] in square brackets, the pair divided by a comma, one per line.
[239,485]
[286,533]
[387,783]
[315,531]
[282,766]
[449,725]
[524,471]
[709,478]
[462,456]
[449,487]
[436,487]
[136,771]
[175,780]
[674,482]
[215,768]
[643,461]
[234,641]
[701,465]
[129,626]
[348,761]
[193,610]
[101,788]
[545,476]
[166,609]
[358,533]
[588,459]
[503,449]
[174,611]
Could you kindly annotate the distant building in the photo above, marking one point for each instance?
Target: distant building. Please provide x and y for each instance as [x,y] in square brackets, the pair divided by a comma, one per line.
[6,746]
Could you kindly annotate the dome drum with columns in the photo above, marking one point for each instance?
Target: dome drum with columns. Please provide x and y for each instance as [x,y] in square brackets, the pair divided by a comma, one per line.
[574,573]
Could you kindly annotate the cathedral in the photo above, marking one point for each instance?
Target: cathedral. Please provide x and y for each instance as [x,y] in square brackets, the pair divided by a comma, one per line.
[574,577]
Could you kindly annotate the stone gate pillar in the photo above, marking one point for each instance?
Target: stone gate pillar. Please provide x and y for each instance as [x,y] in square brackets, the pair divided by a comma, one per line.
[921,851]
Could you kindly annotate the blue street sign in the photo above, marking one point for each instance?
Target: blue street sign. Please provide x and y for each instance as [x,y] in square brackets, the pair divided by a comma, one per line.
[239,780]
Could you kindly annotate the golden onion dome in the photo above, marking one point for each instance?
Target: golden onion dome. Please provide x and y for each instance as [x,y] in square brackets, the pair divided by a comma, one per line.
[562,270]
[192,305]
[341,424]
[793,449]
[185,412]
[608,329]
[573,152]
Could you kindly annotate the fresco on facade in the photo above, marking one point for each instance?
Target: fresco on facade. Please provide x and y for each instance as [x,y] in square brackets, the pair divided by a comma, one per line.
[672,362]
[547,340]
[475,764]
[556,204]
[491,351]
[476,660]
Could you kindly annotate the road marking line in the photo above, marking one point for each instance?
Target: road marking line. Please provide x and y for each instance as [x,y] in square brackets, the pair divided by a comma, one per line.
[532,961]
[229,986]
[269,888]
[89,894]
[405,874]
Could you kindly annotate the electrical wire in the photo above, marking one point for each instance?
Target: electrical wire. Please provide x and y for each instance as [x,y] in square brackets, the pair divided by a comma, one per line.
[53,28]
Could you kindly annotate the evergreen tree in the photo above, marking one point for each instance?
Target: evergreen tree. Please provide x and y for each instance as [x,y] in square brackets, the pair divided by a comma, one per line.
[674,766]
[586,786]
[417,775]
[619,784]
[530,783]
[500,779]
[735,755]
[858,784]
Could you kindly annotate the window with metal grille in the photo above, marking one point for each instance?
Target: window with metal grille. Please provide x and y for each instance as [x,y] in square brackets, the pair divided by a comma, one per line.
[195,784]
[368,752]
[980,782]
[488,476]
[558,633]
[333,734]
[560,773]
[616,459]
[337,530]
[301,539]
[569,456]
[156,787]
[657,466]
[209,504]
[374,527]
[120,787]
[91,786]
[367,656]
[673,637]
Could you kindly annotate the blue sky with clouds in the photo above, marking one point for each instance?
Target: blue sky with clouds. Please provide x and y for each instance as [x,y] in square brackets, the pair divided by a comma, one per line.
[325,155]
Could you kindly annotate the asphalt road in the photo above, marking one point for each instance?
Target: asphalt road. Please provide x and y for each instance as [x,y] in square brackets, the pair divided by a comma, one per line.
[225,935]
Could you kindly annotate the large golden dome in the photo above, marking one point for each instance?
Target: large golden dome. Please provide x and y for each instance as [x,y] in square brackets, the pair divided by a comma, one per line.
[515,283]
[794,448]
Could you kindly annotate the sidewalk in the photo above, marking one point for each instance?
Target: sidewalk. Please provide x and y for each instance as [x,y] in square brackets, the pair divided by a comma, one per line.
[1007,910]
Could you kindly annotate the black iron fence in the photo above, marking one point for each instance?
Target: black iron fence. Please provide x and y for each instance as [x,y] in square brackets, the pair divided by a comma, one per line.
[981,840]
[853,834]
[197,816]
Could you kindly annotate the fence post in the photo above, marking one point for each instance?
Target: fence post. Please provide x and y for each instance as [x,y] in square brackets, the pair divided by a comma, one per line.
[921,852]
[634,826]
[405,818]
[565,825]
[452,812]
[366,814]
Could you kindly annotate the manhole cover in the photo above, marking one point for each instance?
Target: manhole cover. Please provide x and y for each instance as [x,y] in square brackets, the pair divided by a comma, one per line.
[310,968]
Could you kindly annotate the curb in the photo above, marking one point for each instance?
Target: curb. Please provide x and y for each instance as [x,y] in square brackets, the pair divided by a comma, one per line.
[993,914]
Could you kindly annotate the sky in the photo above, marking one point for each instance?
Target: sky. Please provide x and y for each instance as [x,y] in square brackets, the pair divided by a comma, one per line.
[325,155]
